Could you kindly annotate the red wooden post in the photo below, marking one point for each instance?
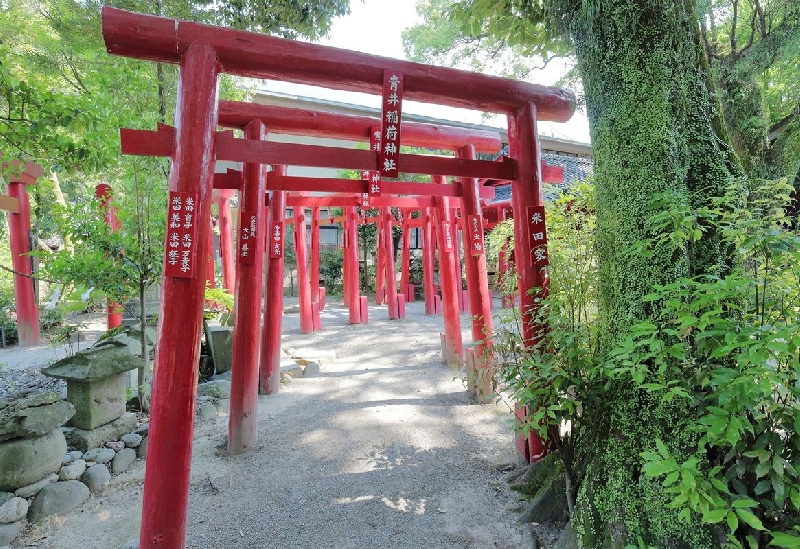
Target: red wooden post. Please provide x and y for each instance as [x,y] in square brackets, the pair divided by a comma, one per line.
[243,418]
[223,197]
[104,193]
[447,278]
[303,280]
[480,297]
[406,260]
[380,263]
[457,280]
[166,481]
[19,225]
[211,274]
[315,297]
[428,243]
[526,191]
[391,273]
[351,260]
[270,373]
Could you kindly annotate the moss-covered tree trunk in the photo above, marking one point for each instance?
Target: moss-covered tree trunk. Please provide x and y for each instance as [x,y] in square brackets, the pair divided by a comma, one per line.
[654,129]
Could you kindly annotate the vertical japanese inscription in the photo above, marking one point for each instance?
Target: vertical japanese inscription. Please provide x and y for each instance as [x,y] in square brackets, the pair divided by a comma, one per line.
[182,240]
[391,118]
[537,233]
[475,234]
[447,231]
[275,240]
[248,232]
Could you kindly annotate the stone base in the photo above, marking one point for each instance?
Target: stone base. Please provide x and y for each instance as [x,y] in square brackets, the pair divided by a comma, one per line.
[86,439]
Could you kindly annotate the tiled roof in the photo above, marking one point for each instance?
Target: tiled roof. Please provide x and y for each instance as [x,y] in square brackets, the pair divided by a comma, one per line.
[575,169]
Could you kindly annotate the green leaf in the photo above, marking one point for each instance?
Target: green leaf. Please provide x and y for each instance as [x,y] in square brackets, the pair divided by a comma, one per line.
[750,519]
[715,516]
[783,539]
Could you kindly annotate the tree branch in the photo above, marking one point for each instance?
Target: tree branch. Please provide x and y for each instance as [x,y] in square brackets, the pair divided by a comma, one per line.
[775,130]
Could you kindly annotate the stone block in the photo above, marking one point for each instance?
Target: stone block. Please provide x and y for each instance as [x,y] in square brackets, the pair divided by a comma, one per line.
[24,461]
[96,402]
[33,416]
[95,476]
[58,498]
[73,471]
[141,451]
[131,440]
[220,341]
[9,531]
[33,489]
[218,388]
[13,510]
[84,439]
[99,455]
[123,460]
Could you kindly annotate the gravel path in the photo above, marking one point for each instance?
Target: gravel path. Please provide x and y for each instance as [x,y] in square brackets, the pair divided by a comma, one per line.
[382,449]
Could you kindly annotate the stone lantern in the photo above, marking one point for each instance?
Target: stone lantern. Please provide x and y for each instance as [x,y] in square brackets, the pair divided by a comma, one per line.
[96,380]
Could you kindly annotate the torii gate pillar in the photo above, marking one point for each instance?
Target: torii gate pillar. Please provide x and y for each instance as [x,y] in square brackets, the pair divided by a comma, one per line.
[351,261]
[388,257]
[270,374]
[453,345]
[169,452]
[104,193]
[480,298]
[19,224]
[428,263]
[526,191]
[243,419]
[303,280]
[223,197]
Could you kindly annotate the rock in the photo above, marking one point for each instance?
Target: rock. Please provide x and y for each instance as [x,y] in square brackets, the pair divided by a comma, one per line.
[9,531]
[123,460]
[26,460]
[60,497]
[5,496]
[293,369]
[131,544]
[141,451]
[33,489]
[311,369]
[223,406]
[220,342]
[76,454]
[34,416]
[100,455]
[13,510]
[143,429]
[95,476]
[206,410]
[73,471]
[219,388]
[115,445]
[67,459]
[131,440]
[83,439]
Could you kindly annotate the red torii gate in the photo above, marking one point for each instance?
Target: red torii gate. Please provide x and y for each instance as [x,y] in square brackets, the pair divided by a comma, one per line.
[203,52]
[17,206]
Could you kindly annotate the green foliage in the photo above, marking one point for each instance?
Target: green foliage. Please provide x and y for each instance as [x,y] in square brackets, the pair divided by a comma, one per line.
[330,270]
[559,377]
[727,347]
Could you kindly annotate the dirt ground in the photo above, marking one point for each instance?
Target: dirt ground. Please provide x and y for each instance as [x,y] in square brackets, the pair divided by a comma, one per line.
[384,448]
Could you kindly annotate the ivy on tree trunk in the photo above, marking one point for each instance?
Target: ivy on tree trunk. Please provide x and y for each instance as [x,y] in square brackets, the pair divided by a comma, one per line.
[655,129]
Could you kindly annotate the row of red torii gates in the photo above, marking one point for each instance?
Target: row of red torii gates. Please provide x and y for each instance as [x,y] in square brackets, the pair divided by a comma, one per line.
[203,53]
